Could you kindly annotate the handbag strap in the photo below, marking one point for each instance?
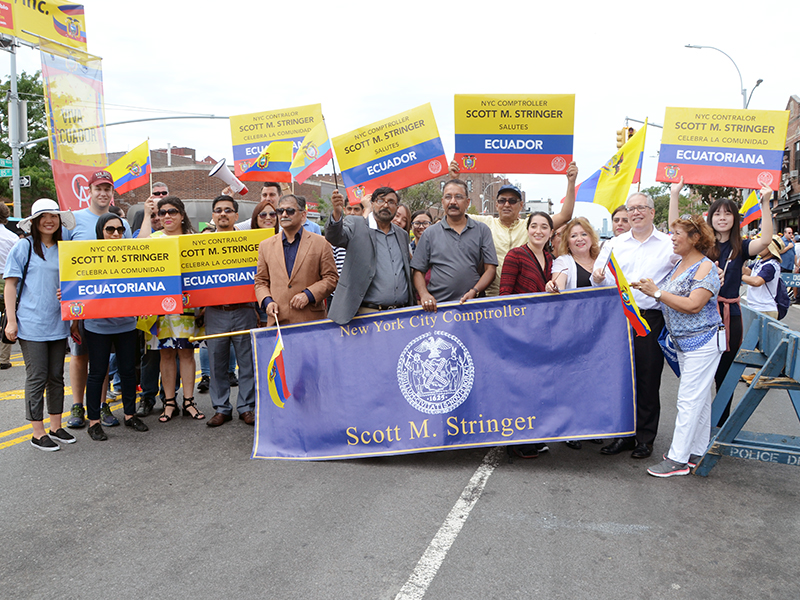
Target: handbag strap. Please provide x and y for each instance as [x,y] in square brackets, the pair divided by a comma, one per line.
[24,274]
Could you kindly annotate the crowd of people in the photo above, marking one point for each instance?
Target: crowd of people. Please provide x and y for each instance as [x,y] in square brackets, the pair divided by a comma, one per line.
[377,255]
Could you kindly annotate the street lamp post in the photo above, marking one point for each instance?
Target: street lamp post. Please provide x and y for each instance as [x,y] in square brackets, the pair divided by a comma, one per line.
[745,99]
[483,195]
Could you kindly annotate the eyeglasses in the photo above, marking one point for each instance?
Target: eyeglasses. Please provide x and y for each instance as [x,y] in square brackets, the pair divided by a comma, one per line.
[638,209]
[383,200]
[227,210]
[164,193]
[110,230]
[170,211]
[420,223]
[264,215]
[153,215]
[511,201]
[289,211]
[457,197]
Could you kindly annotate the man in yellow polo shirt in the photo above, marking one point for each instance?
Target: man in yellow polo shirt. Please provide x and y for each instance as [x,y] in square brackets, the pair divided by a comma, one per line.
[508,230]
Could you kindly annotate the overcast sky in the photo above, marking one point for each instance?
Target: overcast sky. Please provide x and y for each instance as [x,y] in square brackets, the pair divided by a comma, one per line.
[364,61]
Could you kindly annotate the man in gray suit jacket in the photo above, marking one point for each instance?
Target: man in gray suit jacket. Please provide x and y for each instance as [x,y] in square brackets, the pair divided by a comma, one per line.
[376,274]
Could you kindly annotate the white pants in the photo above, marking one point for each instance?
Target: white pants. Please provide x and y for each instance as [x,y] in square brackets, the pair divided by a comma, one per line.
[693,423]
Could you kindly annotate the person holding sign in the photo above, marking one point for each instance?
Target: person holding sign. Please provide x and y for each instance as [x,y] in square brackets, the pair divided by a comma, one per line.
[296,270]
[31,274]
[173,331]
[458,250]
[508,231]
[730,252]
[642,252]
[226,318]
[376,274]
[100,335]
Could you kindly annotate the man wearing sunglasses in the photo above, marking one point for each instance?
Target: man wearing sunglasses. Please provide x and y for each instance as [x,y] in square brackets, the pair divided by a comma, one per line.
[296,270]
[376,274]
[226,318]
[508,230]
[101,194]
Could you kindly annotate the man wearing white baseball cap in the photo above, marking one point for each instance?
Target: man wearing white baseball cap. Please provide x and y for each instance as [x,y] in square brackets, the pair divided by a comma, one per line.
[101,190]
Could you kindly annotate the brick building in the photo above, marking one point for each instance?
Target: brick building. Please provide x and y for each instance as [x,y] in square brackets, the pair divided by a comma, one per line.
[787,209]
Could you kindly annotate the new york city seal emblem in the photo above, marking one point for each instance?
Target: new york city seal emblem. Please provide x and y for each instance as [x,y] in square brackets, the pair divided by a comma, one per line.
[435,372]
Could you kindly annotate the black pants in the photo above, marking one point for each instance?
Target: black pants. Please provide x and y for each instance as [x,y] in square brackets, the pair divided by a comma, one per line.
[726,361]
[99,352]
[649,364]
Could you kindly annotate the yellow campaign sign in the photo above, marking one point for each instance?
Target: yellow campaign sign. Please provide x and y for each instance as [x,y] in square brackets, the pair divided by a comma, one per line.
[399,151]
[728,147]
[514,133]
[59,20]
[220,268]
[119,278]
[253,132]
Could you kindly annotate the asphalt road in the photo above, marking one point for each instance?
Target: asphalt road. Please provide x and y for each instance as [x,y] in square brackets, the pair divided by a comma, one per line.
[181,511]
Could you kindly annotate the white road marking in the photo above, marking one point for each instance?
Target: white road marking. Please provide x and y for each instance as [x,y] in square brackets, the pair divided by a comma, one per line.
[432,559]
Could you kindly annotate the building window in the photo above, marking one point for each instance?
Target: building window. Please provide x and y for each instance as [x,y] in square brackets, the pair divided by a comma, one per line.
[796,158]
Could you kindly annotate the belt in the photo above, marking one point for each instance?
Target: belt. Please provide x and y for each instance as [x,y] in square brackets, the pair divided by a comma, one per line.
[231,307]
[381,306]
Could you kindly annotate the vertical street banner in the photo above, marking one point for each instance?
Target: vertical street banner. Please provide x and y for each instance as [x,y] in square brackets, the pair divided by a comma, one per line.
[119,278]
[504,370]
[514,133]
[253,132]
[58,20]
[220,268]
[727,147]
[73,90]
[398,152]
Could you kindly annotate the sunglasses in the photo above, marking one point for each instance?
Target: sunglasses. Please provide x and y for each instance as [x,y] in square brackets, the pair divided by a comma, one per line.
[170,211]
[511,201]
[289,211]
[227,211]
[111,229]
[164,193]
[271,215]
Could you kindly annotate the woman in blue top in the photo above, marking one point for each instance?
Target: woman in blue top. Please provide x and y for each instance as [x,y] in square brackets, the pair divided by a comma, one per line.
[37,321]
[730,252]
[101,334]
[688,297]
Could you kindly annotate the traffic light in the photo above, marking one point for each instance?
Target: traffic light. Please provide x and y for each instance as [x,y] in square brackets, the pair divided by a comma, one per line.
[620,138]
[631,131]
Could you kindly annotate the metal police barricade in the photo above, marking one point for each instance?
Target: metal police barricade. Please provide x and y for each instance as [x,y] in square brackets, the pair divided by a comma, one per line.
[773,349]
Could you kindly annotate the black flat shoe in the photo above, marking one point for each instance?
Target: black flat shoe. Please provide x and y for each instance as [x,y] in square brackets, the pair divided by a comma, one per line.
[574,444]
[619,445]
[642,451]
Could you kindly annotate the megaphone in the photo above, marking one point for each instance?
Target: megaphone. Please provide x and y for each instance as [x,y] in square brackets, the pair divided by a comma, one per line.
[221,171]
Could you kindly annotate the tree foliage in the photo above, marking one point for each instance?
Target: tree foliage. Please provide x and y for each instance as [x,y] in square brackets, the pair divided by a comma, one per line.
[709,193]
[34,161]
[421,196]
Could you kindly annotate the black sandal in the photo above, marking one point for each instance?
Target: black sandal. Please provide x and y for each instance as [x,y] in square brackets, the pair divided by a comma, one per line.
[189,403]
[164,417]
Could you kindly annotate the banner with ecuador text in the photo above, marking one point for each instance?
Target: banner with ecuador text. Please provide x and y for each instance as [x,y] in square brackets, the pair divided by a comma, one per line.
[253,132]
[727,147]
[220,268]
[514,133]
[59,20]
[505,370]
[397,152]
[73,90]
[119,278]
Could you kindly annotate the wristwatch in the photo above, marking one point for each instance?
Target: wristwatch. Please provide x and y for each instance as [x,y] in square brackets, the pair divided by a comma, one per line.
[657,295]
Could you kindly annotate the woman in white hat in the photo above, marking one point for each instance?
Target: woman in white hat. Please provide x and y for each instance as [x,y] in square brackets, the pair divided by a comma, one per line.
[36,318]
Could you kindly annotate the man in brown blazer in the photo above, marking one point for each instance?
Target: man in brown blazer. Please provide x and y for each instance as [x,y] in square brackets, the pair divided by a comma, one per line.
[296,270]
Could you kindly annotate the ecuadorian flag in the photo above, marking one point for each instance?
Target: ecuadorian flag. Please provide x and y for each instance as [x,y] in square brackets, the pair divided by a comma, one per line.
[751,209]
[272,164]
[314,153]
[276,376]
[611,185]
[132,170]
[640,325]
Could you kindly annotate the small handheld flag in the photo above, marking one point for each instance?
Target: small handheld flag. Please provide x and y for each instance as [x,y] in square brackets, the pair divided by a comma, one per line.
[132,170]
[751,209]
[637,321]
[314,153]
[276,376]
[272,164]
